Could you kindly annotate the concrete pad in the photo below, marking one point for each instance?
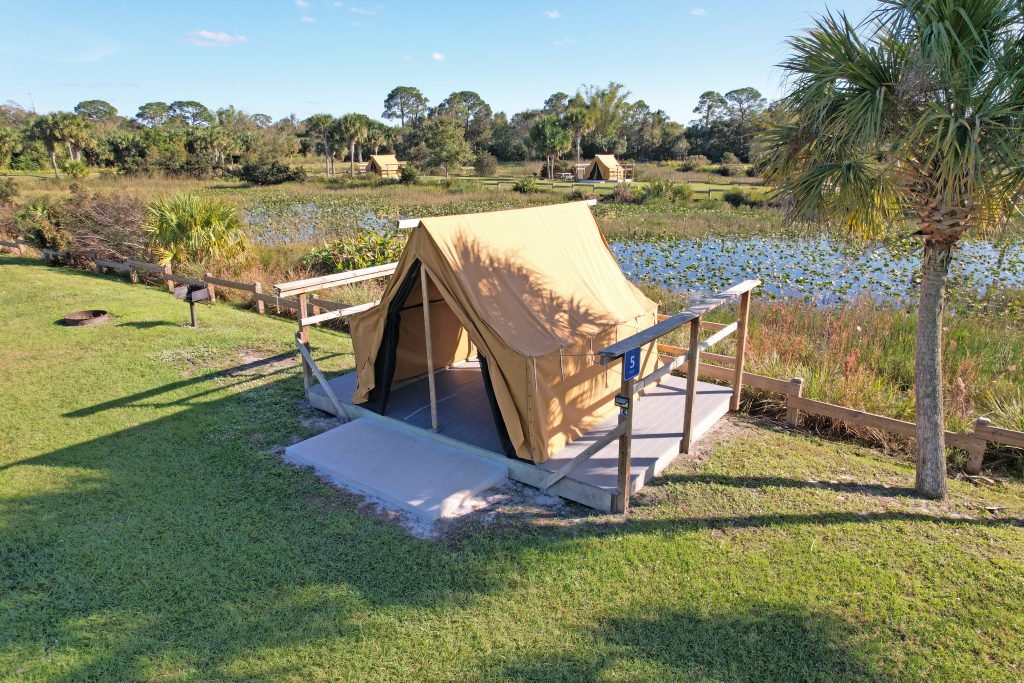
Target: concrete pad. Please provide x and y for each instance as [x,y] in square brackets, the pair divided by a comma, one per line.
[419,475]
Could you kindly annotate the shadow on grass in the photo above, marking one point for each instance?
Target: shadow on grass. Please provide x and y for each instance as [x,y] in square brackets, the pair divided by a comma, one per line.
[757,482]
[185,542]
[754,642]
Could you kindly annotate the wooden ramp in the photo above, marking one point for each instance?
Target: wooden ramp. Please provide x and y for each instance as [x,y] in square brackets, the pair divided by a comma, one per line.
[467,424]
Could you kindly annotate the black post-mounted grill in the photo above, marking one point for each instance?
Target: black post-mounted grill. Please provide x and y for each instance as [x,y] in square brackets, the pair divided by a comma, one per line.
[193,294]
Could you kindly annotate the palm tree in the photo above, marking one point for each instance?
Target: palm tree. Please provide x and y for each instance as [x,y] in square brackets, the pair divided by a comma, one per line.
[187,228]
[318,127]
[353,127]
[58,128]
[578,119]
[378,135]
[608,107]
[915,115]
[548,134]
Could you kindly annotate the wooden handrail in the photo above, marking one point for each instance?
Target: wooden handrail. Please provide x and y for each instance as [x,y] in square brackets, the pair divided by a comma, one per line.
[314,284]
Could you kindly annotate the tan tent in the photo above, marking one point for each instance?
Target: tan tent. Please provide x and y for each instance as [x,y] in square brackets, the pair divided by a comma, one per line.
[534,293]
[604,167]
[384,165]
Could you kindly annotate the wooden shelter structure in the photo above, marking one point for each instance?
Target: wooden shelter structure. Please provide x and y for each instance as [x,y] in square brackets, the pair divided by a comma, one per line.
[605,167]
[384,165]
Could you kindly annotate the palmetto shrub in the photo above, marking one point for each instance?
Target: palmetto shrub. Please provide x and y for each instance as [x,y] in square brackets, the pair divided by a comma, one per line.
[188,228]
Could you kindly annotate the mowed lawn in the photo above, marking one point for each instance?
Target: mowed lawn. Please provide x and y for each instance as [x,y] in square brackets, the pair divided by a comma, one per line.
[149,530]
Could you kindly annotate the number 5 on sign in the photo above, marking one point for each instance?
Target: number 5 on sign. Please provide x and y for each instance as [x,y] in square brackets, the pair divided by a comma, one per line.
[631,364]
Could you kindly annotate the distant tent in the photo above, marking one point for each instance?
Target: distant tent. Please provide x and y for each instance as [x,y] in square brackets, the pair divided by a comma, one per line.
[533,293]
[605,167]
[384,165]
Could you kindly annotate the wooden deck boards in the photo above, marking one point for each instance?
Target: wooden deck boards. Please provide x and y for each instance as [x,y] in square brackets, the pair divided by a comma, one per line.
[465,416]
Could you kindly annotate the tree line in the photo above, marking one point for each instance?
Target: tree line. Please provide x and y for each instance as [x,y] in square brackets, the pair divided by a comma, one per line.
[186,137]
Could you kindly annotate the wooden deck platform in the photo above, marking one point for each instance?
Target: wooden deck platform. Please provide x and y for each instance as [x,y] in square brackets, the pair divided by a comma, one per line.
[465,419]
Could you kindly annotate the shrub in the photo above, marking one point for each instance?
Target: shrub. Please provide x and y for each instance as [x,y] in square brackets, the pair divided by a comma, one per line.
[681,192]
[709,204]
[358,250]
[40,223]
[8,191]
[485,164]
[730,170]
[526,186]
[623,193]
[459,186]
[751,171]
[188,228]
[577,195]
[737,198]
[729,158]
[109,225]
[657,190]
[694,162]
[409,175]
[75,169]
[270,173]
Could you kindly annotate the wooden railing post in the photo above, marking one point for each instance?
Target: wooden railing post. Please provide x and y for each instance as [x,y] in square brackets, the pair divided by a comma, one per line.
[792,411]
[976,454]
[626,391]
[692,370]
[210,288]
[95,258]
[307,372]
[741,350]
[167,279]
[257,289]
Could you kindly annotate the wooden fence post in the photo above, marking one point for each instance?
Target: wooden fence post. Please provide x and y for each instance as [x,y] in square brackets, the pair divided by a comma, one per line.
[976,454]
[692,370]
[257,289]
[792,412]
[307,372]
[167,280]
[210,288]
[133,274]
[95,258]
[626,390]
[741,350]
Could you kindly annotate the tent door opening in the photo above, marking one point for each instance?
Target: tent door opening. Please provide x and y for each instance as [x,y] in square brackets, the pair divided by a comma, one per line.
[451,387]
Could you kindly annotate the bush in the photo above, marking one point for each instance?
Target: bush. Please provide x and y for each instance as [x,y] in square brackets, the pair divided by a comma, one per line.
[730,170]
[577,195]
[526,186]
[270,173]
[8,191]
[682,193]
[188,228]
[75,169]
[624,194]
[459,186]
[729,158]
[409,175]
[751,171]
[738,198]
[40,223]
[694,162]
[359,250]
[485,164]
[109,225]
[709,204]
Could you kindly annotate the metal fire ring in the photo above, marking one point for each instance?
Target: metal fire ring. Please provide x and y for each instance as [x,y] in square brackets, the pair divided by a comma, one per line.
[92,317]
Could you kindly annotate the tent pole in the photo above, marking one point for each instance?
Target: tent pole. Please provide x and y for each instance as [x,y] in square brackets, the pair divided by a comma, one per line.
[430,349]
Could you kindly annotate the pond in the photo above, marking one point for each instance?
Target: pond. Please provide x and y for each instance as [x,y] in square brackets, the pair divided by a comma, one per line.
[822,270]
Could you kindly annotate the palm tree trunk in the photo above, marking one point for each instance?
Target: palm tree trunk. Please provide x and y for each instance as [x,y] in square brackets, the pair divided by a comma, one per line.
[360,152]
[327,167]
[931,448]
[53,160]
[578,139]
[352,157]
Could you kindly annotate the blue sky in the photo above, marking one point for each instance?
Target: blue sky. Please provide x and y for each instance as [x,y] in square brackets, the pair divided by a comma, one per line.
[304,56]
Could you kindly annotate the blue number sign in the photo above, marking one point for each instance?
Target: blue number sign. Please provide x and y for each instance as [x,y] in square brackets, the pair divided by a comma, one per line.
[631,364]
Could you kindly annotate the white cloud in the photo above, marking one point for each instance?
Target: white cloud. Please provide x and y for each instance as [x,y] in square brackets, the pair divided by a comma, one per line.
[698,12]
[365,11]
[437,57]
[302,4]
[213,39]
[307,20]
[552,14]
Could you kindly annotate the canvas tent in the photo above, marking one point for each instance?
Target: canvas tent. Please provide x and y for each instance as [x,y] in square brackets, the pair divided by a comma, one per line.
[534,293]
[384,165]
[604,167]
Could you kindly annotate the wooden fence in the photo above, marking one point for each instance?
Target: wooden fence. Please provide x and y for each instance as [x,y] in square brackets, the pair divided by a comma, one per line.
[713,366]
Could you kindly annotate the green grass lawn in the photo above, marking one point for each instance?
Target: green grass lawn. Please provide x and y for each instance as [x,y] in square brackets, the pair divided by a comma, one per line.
[149,530]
